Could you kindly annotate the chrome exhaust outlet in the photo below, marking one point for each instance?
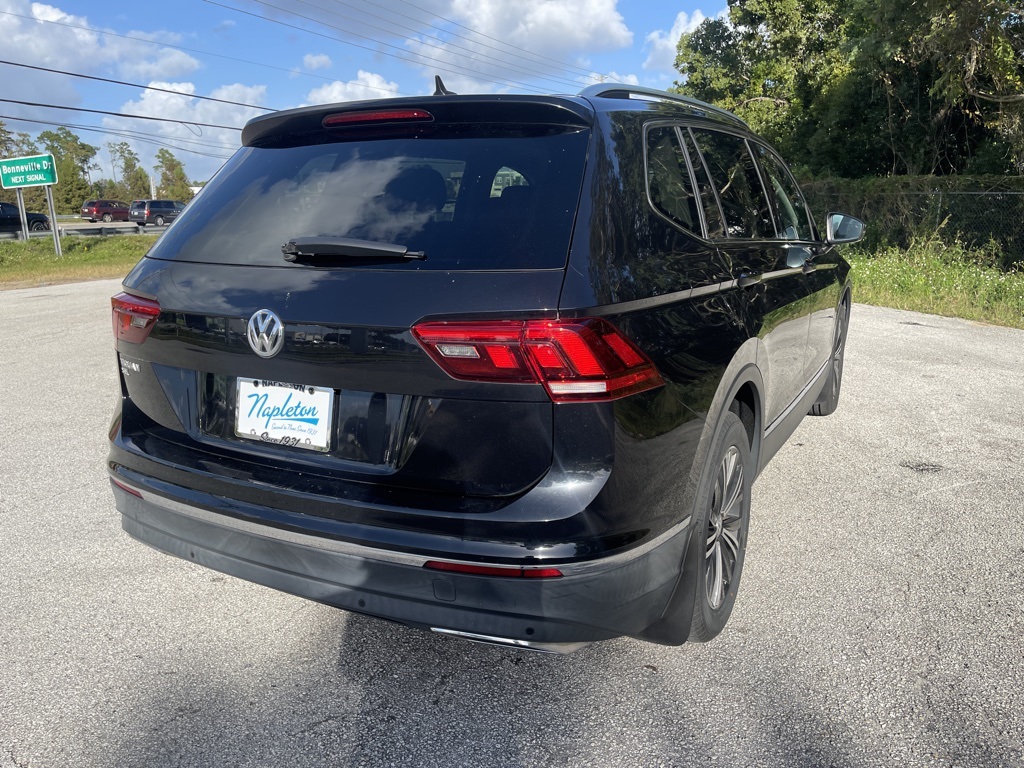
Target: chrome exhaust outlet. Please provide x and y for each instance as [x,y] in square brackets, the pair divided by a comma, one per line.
[508,642]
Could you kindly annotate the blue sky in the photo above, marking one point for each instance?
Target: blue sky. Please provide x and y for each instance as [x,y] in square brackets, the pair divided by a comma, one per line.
[286,53]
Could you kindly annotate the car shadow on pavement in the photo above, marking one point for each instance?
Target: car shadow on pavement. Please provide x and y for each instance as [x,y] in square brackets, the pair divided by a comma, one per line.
[333,688]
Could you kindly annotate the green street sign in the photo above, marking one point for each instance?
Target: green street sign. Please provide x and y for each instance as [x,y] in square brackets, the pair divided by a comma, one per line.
[34,171]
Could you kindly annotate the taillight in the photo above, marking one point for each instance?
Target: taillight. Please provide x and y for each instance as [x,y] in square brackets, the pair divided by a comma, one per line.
[133,317]
[364,116]
[494,570]
[576,360]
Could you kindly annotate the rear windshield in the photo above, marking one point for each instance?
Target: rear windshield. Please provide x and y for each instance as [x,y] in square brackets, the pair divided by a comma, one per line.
[468,202]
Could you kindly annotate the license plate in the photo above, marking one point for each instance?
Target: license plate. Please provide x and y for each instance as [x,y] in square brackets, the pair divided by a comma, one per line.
[285,414]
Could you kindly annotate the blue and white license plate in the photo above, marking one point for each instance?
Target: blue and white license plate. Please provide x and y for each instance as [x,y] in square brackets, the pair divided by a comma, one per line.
[285,414]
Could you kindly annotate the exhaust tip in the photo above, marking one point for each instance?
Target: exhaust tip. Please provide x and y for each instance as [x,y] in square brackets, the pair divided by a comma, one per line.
[509,642]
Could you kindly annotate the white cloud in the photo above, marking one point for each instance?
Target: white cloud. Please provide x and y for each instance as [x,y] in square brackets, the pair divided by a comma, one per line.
[661,45]
[528,45]
[86,50]
[218,142]
[168,62]
[549,28]
[367,85]
[318,61]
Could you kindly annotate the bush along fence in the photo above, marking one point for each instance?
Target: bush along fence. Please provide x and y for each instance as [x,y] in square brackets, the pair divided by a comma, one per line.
[981,213]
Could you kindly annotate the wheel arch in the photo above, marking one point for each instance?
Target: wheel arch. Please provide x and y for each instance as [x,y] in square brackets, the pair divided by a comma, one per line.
[741,391]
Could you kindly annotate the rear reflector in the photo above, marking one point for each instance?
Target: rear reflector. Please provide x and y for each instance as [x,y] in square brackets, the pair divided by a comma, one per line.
[578,360]
[125,488]
[494,570]
[377,116]
[133,317]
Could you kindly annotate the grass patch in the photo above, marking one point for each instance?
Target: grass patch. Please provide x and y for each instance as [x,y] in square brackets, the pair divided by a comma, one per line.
[24,264]
[940,279]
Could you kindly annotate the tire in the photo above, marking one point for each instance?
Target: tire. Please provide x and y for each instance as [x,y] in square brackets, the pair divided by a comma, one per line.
[159,221]
[828,401]
[722,513]
[107,218]
[37,226]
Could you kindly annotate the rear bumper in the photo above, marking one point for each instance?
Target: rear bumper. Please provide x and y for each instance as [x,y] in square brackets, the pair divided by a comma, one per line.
[596,599]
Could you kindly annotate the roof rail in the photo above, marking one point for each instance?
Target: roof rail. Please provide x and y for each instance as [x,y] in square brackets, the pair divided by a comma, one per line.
[621,91]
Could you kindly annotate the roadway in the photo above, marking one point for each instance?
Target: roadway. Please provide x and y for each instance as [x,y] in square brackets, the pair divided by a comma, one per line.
[879,621]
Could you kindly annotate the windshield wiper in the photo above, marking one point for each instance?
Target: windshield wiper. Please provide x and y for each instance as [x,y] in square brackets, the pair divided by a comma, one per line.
[347,248]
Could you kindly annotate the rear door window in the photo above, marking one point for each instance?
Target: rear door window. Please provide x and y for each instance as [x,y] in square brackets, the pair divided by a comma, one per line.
[740,192]
[487,201]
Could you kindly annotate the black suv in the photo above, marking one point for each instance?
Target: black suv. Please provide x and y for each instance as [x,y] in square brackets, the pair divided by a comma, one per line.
[502,367]
[10,219]
[157,212]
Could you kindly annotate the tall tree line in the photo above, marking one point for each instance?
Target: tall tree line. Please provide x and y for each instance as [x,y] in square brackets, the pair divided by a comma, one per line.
[856,88]
[78,174]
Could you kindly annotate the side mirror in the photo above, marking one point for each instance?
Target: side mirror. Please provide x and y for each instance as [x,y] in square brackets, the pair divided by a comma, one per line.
[840,228]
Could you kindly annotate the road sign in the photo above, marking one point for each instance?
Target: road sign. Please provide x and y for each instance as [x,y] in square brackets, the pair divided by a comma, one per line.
[32,171]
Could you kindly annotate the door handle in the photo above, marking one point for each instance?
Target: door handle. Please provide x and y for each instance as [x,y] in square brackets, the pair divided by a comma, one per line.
[798,256]
[745,280]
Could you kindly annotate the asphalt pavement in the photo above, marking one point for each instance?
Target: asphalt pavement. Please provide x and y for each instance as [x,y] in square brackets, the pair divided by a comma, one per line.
[879,621]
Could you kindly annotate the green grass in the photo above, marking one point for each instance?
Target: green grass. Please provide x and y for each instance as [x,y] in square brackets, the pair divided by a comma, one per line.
[25,264]
[927,277]
[940,279]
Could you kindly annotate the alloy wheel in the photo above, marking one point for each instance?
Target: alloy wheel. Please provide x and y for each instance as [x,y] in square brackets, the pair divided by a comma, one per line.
[724,524]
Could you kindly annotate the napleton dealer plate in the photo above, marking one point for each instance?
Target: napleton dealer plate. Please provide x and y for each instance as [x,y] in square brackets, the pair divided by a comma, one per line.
[295,415]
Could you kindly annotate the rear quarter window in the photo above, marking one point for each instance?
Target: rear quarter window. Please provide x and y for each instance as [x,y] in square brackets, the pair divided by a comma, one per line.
[668,179]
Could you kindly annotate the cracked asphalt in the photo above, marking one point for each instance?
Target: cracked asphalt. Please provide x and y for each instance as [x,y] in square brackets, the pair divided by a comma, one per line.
[879,621]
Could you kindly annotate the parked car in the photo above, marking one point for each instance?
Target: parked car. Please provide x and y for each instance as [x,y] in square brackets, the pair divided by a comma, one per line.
[104,210]
[10,221]
[157,212]
[529,416]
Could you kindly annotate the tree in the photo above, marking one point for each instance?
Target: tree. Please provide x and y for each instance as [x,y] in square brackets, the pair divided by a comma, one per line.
[74,161]
[173,182]
[976,48]
[20,145]
[861,87]
[134,179]
[6,141]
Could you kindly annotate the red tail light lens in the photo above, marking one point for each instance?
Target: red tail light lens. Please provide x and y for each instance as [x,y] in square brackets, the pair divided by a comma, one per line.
[133,317]
[377,116]
[494,570]
[576,360]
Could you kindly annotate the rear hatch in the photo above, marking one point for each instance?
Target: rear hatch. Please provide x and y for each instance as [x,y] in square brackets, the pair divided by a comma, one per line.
[460,208]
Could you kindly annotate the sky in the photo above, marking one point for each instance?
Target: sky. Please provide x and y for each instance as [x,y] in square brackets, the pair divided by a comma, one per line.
[279,54]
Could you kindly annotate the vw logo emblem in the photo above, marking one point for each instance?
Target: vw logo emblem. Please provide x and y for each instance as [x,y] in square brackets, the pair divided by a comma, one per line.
[265,333]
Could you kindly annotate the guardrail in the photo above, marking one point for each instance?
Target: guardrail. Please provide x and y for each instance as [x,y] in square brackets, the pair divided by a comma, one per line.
[103,230]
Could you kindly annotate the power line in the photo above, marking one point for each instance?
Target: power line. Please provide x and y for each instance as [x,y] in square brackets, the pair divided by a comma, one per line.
[514,48]
[444,45]
[136,135]
[136,85]
[201,52]
[464,70]
[120,114]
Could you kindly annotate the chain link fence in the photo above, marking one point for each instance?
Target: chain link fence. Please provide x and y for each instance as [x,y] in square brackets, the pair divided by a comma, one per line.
[988,218]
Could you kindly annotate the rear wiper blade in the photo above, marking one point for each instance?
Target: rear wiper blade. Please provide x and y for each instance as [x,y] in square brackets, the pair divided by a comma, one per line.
[348,248]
